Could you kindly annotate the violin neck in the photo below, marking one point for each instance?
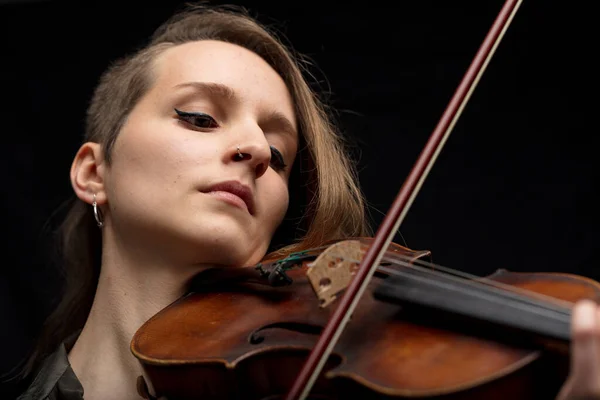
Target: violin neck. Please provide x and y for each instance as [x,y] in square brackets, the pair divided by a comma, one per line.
[462,305]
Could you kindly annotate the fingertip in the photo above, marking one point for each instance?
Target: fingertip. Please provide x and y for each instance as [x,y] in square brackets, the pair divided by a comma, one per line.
[584,318]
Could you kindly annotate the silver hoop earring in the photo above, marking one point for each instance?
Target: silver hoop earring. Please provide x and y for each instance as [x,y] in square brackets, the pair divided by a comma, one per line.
[239,153]
[97,213]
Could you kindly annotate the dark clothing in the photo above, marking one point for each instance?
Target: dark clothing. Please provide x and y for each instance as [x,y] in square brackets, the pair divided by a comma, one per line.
[56,379]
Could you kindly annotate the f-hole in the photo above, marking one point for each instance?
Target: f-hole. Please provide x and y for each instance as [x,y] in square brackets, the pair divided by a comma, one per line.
[257,337]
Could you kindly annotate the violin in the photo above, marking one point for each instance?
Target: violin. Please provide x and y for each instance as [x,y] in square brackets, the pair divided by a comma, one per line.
[366,317]
[424,332]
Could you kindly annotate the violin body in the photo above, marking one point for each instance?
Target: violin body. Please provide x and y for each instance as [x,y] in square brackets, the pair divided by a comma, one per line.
[245,340]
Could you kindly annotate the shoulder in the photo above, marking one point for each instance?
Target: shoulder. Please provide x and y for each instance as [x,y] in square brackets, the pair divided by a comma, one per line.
[55,379]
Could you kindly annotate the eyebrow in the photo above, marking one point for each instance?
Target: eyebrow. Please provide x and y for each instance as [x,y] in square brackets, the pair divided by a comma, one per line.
[210,88]
[227,93]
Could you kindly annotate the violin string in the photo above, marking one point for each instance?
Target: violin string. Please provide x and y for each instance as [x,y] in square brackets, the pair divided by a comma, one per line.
[562,316]
[526,296]
[469,279]
[548,312]
[500,288]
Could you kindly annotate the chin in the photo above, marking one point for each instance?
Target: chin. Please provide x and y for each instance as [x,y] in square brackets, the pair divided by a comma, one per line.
[226,244]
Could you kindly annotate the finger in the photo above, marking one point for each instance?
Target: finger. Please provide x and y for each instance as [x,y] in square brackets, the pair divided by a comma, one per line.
[585,347]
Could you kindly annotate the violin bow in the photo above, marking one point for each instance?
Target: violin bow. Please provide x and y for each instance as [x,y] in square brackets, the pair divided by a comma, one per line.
[336,324]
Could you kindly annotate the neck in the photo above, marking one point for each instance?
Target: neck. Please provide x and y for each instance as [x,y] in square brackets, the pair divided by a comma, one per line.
[132,287]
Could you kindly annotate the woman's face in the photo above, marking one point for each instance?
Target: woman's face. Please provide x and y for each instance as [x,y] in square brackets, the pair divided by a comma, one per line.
[180,143]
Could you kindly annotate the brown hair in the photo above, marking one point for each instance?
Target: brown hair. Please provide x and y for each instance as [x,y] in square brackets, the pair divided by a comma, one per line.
[334,209]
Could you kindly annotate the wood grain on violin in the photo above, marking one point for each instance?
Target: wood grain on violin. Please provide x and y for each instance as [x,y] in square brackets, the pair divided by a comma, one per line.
[243,339]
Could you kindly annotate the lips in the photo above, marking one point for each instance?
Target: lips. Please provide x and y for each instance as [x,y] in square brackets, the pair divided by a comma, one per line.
[232,191]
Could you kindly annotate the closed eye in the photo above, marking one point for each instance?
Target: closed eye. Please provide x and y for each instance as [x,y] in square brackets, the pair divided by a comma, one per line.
[277,160]
[198,119]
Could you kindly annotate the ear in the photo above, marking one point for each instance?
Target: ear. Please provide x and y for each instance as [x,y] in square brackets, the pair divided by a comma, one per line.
[87,173]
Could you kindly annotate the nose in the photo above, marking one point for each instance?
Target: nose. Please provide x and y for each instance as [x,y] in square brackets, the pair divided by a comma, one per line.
[254,150]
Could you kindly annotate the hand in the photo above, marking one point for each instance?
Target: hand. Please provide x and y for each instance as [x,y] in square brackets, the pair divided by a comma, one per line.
[583,382]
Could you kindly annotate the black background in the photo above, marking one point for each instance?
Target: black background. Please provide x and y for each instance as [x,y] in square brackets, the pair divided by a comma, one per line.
[515,186]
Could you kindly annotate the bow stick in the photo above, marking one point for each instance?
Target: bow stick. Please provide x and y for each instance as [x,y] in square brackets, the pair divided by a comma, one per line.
[335,326]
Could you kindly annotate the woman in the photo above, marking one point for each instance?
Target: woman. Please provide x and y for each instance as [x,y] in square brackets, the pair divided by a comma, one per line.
[196,147]
[190,148]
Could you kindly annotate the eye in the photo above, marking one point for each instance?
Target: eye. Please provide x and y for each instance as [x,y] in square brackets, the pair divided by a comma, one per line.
[277,159]
[198,119]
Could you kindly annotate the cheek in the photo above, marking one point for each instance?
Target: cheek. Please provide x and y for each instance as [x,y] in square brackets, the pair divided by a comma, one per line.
[284,205]
[276,202]
[160,155]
